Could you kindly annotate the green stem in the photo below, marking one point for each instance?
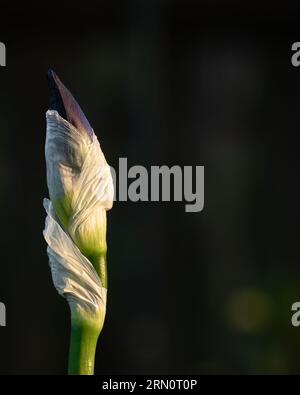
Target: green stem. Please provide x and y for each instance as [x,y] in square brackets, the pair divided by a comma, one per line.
[84,336]
[82,349]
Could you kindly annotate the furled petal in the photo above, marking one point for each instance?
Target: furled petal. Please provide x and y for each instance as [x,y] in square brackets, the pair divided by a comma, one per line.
[79,181]
[64,103]
[73,274]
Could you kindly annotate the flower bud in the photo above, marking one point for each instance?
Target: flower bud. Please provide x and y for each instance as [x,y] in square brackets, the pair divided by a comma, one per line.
[78,177]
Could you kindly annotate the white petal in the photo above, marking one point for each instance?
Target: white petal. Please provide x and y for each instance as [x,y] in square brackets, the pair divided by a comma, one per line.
[77,166]
[73,275]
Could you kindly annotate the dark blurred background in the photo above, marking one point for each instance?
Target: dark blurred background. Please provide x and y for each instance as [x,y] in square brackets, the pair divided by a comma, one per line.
[162,82]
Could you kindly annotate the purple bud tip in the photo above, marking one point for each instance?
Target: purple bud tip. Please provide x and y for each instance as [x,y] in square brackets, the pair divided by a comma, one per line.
[62,101]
